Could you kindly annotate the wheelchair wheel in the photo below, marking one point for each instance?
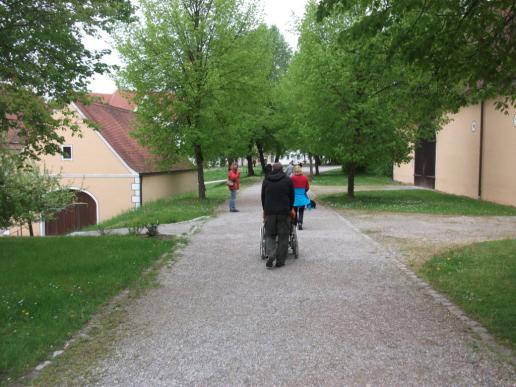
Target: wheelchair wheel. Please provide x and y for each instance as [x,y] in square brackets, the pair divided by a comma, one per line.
[262,243]
[293,243]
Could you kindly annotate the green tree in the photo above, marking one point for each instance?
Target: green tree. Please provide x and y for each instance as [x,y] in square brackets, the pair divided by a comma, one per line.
[468,43]
[350,103]
[195,66]
[44,65]
[258,127]
[28,195]
[273,119]
[251,123]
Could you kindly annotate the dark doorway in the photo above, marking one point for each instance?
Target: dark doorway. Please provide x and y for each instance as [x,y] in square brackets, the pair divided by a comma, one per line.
[424,168]
[83,213]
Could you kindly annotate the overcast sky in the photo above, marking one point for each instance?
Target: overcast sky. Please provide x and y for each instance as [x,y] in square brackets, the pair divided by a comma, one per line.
[282,13]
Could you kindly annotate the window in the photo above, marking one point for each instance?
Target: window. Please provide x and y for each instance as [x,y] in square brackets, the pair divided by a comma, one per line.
[66,152]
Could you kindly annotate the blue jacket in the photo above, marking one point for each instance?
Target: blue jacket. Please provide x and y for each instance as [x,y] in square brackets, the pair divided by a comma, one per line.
[301,199]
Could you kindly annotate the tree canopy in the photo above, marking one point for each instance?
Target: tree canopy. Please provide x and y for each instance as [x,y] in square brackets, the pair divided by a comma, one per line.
[44,64]
[198,68]
[351,101]
[466,43]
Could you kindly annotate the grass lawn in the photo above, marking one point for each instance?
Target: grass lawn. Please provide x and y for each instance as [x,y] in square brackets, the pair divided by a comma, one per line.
[176,209]
[418,201]
[337,177]
[481,279]
[50,287]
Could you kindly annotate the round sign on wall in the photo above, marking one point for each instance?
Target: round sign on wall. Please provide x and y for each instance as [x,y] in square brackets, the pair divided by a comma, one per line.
[473,126]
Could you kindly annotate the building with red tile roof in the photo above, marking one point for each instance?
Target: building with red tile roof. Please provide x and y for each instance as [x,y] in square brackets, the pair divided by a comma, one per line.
[115,125]
[108,168]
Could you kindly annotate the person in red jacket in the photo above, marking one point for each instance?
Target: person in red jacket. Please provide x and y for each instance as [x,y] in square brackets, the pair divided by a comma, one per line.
[233,185]
[301,199]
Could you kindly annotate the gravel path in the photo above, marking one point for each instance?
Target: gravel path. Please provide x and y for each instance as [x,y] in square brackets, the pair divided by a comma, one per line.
[342,314]
[418,237]
[435,229]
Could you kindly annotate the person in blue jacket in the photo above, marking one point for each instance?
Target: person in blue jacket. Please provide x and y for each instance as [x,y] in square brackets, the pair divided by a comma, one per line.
[301,199]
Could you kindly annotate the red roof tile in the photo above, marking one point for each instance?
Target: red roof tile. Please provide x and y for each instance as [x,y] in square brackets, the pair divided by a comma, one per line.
[100,97]
[115,125]
[120,99]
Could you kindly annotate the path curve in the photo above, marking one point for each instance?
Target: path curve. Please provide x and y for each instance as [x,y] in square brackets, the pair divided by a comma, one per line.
[343,313]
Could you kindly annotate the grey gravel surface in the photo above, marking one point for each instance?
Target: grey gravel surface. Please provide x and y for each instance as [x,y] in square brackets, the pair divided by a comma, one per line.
[418,237]
[342,314]
[438,229]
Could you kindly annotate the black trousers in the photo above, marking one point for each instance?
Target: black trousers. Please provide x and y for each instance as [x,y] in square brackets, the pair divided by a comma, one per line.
[277,226]
[300,211]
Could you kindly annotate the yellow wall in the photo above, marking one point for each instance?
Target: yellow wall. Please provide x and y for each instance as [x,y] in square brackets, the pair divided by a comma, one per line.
[499,166]
[24,230]
[165,185]
[90,154]
[404,173]
[113,195]
[457,154]
[96,169]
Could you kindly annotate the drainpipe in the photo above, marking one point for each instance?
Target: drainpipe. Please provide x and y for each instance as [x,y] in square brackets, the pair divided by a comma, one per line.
[480,159]
[141,190]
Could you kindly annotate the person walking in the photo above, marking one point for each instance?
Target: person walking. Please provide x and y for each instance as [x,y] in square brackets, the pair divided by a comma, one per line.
[233,185]
[277,204]
[290,168]
[268,170]
[301,187]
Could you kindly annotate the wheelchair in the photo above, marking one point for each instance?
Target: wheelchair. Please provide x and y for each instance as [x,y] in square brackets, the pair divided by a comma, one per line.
[292,241]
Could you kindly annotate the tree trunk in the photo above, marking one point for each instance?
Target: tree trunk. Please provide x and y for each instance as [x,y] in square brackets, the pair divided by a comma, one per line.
[317,163]
[250,169]
[276,159]
[199,160]
[259,146]
[31,230]
[351,180]
[310,159]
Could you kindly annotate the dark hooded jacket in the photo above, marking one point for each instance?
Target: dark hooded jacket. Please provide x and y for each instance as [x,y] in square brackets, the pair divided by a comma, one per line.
[277,194]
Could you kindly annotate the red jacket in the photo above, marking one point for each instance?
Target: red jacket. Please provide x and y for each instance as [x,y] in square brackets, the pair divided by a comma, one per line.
[300,181]
[235,178]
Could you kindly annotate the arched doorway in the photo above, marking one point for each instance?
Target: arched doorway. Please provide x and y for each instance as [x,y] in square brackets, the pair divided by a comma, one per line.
[83,213]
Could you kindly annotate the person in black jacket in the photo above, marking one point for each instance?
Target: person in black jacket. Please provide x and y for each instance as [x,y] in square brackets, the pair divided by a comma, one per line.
[268,169]
[277,204]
